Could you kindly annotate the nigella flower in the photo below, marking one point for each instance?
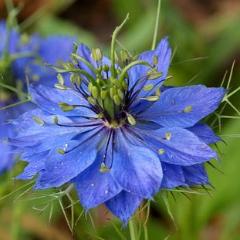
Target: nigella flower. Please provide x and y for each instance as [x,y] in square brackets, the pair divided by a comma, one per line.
[52,50]
[26,56]
[116,133]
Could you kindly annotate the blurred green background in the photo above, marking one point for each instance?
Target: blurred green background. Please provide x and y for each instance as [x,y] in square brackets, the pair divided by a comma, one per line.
[205,37]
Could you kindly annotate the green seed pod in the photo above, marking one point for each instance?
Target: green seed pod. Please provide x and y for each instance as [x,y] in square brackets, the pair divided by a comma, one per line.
[114,81]
[94,91]
[90,85]
[109,106]
[103,93]
[120,94]
[117,100]
[113,92]
[99,81]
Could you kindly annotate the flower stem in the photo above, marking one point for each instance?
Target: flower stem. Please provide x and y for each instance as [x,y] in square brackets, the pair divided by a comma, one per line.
[132,230]
[156,26]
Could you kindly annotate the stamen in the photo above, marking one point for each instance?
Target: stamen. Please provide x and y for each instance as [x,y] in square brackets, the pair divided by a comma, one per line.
[104,168]
[151,98]
[148,87]
[187,109]
[131,119]
[168,136]
[38,120]
[161,151]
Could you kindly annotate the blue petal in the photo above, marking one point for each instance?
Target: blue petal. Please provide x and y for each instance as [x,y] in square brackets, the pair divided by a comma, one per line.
[95,187]
[35,165]
[176,176]
[136,168]
[27,130]
[79,155]
[62,168]
[48,99]
[56,49]
[33,138]
[48,51]
[205,133]
[179,146]
[138,76]
[50,54]
[124,205]
[195,175]
[163,53]
[21,65]
[173,176]
[198,101]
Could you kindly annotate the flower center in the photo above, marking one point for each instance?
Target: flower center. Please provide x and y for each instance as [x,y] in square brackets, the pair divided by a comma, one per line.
[107,87]
[108,94]
[105,83]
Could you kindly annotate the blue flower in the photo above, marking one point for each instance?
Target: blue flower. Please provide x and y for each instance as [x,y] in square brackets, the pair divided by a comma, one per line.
[117,134]
[52,50]
[28,56]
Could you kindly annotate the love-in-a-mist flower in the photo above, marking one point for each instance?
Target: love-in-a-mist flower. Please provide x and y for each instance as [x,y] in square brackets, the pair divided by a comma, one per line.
[116,133]
[52,50]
